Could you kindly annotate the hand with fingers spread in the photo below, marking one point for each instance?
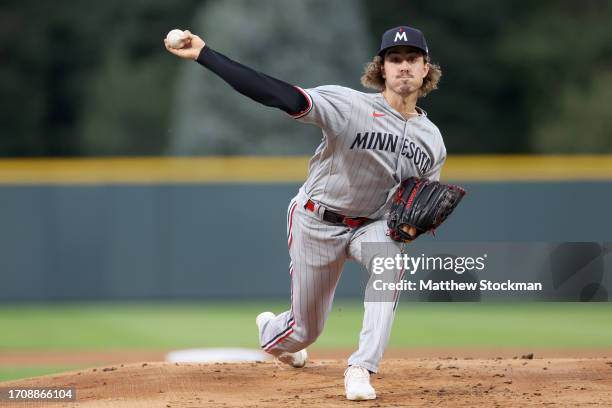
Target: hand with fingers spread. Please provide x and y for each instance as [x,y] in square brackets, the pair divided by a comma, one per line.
[191,46]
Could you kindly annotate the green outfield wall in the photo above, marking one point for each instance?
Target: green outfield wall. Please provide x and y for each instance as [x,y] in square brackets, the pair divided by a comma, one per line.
[133,228]
[97,241]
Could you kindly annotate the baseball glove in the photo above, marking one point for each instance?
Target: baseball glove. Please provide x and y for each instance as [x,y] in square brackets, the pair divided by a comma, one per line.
[422,204]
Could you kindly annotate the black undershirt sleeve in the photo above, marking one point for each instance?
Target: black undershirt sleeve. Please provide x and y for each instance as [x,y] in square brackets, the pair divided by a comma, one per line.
[257,86]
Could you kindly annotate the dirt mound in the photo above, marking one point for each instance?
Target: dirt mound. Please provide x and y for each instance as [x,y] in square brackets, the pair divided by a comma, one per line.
[401,382]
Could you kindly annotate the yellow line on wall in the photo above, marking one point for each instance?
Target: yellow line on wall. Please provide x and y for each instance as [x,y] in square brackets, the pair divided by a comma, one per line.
[154,170]
[162,170]
[528,168]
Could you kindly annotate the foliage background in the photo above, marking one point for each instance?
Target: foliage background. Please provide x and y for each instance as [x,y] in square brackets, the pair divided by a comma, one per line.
[83,79]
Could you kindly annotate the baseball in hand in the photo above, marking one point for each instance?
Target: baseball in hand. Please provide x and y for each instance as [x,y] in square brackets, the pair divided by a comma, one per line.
[176,39]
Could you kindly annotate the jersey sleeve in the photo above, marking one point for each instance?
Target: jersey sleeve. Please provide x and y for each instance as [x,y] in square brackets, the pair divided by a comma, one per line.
[436,170]
[329,107]
[260,87]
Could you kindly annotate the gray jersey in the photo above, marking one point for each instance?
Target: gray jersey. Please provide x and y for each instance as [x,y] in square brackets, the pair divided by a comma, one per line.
[367,149]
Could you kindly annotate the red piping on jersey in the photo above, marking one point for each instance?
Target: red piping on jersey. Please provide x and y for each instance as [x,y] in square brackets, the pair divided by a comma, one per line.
[305,111]
[291,289]
[279,340]
[283,335]
[290,238]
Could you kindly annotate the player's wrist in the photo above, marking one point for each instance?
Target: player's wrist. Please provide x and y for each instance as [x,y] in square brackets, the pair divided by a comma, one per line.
[199,49]
[200,53]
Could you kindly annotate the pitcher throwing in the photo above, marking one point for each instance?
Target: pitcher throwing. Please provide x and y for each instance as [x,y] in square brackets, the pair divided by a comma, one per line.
[371,142]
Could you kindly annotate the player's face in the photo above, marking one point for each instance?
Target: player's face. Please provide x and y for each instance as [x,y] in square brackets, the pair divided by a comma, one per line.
[404,69]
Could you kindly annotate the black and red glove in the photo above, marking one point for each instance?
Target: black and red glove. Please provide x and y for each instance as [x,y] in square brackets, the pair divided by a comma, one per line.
[422,204]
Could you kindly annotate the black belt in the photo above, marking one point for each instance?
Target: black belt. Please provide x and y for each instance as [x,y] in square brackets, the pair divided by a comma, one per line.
[335,218]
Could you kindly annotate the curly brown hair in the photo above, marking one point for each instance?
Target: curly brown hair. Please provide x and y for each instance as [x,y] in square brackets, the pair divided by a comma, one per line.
[372,76]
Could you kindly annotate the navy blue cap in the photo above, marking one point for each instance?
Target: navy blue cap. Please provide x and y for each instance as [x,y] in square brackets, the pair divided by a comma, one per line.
[403,35]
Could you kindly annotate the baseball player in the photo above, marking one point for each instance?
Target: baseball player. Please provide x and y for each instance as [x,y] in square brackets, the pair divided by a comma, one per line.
[371,142]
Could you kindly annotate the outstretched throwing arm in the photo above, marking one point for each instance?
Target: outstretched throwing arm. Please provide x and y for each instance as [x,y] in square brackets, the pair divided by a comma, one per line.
[260,87]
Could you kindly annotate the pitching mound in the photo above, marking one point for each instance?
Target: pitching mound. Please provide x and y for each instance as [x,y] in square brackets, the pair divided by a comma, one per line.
[401,382]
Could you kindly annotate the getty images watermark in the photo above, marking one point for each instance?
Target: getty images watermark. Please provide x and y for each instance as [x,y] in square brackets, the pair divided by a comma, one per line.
[482,271]
[389,274]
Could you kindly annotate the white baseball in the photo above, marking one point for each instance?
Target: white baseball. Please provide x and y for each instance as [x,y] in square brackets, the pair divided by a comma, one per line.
[175,38]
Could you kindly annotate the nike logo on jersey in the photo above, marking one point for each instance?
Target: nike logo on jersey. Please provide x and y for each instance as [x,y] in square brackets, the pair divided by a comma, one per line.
[377,115]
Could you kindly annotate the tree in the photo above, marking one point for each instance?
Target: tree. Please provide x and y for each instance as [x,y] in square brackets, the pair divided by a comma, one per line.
[129,106]
[562,52]
[306,43]
[478,106]
[48,50]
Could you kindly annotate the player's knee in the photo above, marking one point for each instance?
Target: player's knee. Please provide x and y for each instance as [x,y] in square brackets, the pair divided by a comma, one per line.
[308,340]
[309,335]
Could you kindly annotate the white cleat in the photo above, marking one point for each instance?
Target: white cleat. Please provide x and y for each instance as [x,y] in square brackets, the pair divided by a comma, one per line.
[263,317]
[357,384]
[297,359]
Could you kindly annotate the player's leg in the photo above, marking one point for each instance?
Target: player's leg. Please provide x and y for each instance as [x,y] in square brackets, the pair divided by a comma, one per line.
[379,309]
[318,252]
